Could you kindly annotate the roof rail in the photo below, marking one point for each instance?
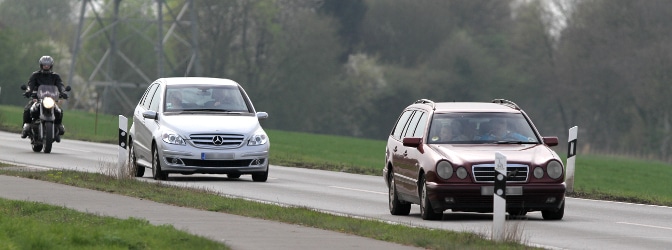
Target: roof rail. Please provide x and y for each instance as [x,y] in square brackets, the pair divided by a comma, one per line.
[426,101]
[507,103]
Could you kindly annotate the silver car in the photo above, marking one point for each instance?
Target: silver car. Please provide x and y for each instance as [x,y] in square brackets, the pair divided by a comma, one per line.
[193,125]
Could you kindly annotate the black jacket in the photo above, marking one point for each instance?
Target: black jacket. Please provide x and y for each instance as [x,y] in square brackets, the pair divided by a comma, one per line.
[45,78]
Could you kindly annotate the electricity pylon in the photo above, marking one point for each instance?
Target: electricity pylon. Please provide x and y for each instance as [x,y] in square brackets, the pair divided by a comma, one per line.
[100,86]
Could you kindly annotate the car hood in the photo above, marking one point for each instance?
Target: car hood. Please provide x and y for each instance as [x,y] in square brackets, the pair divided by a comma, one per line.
[463,154]
[211,123]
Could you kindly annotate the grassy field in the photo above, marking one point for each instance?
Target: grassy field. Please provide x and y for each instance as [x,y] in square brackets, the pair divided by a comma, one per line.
[623,179]
[346,154]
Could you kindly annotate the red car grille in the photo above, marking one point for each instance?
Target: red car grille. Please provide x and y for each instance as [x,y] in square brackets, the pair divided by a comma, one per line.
[485,173]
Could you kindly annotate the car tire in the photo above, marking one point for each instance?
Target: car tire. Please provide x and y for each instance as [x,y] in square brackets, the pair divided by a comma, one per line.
[261,177]
[156,166]
[426,210]
[138,171]
[397,207]
[233,176]
[554,214]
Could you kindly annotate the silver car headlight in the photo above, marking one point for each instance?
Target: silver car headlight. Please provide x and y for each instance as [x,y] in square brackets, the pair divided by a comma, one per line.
[554,169]
[257,139]
[48,102]
[171,137]
[444,169]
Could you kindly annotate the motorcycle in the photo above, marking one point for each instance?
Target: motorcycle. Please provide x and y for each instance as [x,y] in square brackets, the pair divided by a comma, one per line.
[42,132]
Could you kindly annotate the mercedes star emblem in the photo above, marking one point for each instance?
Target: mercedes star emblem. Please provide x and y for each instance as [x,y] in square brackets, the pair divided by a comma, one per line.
[217,140]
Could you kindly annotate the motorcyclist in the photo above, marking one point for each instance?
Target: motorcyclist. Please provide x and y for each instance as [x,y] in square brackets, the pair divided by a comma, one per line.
[44,76]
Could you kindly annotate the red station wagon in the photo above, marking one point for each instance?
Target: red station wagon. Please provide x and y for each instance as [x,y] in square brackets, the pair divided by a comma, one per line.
[442,156]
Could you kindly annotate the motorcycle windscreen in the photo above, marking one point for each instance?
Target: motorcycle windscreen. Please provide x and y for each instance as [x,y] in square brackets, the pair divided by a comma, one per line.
[47,91]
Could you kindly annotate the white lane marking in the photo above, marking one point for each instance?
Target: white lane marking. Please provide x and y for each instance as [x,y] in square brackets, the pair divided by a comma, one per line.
[359,190]
[643,225]
[78,150]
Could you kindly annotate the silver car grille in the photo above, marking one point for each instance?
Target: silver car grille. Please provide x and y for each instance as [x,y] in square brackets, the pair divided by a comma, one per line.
[217,140]
[486,172]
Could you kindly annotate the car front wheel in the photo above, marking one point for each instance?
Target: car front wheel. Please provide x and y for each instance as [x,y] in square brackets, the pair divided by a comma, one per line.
[261,177]
[426,210]
[396,206]
[156,166]
[554,214]
[138,171]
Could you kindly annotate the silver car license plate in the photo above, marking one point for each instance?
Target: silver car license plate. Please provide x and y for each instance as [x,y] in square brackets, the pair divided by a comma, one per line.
[217,156]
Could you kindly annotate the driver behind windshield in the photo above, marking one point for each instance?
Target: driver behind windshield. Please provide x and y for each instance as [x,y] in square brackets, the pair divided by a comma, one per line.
[499,131]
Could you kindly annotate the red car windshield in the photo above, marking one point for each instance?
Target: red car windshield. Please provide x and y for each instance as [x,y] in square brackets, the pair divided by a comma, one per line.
[462,128]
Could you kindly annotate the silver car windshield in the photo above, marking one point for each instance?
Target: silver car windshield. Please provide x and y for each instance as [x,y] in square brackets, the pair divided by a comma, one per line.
[181,98]
[466,128]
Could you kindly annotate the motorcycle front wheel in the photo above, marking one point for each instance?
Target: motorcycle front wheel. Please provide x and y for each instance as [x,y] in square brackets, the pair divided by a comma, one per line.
[48,136]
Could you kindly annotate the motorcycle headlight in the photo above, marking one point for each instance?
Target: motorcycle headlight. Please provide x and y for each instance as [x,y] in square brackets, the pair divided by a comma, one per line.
[48,102]
[171,137]
[257,139]
[554,169]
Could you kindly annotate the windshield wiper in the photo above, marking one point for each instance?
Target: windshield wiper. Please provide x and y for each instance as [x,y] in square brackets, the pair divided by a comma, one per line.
[213,110]
[205,109]
[514,142]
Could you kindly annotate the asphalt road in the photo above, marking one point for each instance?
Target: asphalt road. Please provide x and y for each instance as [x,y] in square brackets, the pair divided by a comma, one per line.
[587,224]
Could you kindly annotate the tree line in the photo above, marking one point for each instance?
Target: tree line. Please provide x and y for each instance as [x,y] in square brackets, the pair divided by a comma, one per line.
[348,67]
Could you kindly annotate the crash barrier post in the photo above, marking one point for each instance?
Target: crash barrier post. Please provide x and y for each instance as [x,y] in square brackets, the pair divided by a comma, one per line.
[123,139]
[499,198]
[571,157]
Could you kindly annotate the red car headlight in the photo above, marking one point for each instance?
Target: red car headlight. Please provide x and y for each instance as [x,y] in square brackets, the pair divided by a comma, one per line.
[444,169]
[554,169]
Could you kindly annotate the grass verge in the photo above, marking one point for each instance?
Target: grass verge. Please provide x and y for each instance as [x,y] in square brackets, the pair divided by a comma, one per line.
[32,225]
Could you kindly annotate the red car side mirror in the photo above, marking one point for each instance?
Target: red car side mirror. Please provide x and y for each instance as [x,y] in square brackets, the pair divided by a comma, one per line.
[550,141]
[414,142]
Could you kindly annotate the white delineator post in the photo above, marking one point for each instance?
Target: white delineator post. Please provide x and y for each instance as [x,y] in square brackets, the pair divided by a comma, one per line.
[123,139]
[571,158]
[499,198]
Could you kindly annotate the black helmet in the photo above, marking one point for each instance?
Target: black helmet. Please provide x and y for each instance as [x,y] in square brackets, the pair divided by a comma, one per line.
[46,60]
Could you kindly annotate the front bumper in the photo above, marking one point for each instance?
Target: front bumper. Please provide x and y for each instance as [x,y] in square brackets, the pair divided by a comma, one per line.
[245,160]
[478,198]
